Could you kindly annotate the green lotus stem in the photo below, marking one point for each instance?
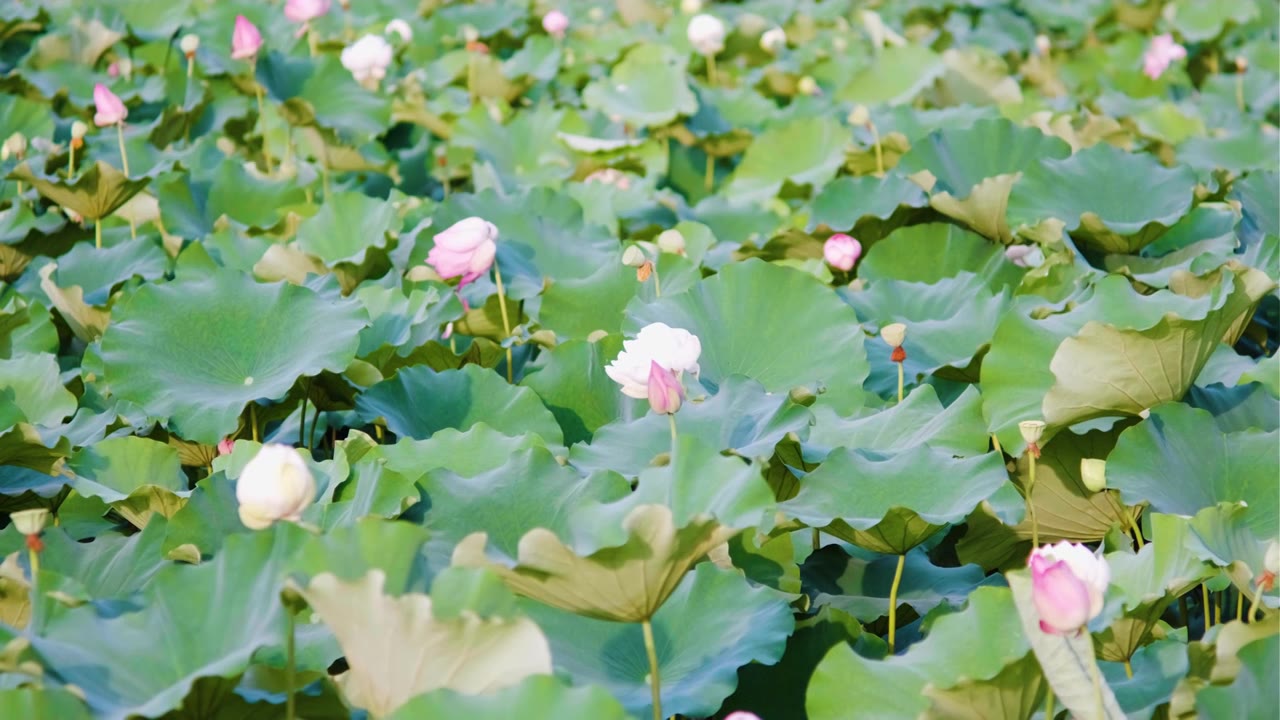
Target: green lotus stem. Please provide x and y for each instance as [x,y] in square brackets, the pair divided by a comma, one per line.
[671,419]
[377,432]
[893,602]
[995,444]
[655,684]
[133,229]
[71,165]
[709,178]
[1031,508]
[97,233]
[34,557]
[1253,604]
[817,539]
[1049,704]
[291,651]
[262,118]
[875,135]
[1239,606]
[657,282]
[901,375]
[302,421]
[1208,615]
[1128,669]
[506,321]
[315,422]
[253,421]
[124,156]
[1217,608]
[711,69]
[1240,91]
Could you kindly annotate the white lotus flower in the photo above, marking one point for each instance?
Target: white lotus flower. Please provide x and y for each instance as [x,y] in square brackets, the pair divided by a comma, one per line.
[706,34]
[368,59]
[671,348]
[773,40]
[275,485]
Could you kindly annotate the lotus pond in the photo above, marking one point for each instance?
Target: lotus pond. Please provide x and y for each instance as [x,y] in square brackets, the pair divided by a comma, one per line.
[771,360]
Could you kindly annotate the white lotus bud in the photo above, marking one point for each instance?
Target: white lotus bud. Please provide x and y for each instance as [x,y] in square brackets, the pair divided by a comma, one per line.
[859,116]
[689,7]
[189,44]
[78,129]
[1032,430]
[773,40]
[470,34]
[1272,561]
[1093,472]
[894,334]
[1043,46]
[401,28]
[633,256]
[808,86]
[706,34]
[275,485]
[30,522]
[671,241]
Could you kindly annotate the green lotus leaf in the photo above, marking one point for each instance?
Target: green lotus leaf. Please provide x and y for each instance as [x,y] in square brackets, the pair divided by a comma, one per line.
[975,75]
[575,308]
[1067,660]
[896,76]
[323,93]
[647,88]
[573,386]
[713,623]
[1203,240]
[972,185]
[845,202]
[740,336]
[85,321]
[18,222]
[861,587]
[1179,462]
[1065,508]
[111,568]
[31,391]
[135,475]
[457,399]
[918,420]
[741,418]
[1090,191]
[370,487]
[536,697]
[402,320]
[192,205]
[1157,668]
[1239,152]
[26,328]
[95,193]
[31,702]
[1198,22]
[1252,693]
[974,644]
[21,115]
[1017,691]
[523,152]
[802,151]
[200,348]
[398,647]
[620,560]
[477,450]
[1226,536]
[1257,195]
[97,271]
[950,251]
[346,227]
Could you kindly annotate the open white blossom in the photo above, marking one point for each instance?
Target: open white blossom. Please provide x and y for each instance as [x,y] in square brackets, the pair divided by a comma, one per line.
[671,348]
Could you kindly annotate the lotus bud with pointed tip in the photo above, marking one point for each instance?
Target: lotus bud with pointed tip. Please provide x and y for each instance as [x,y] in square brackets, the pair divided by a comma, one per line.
[30,522]
[841,251]
[275,485]
[664,390]
[671,241]
[1032,431]
[399,28]
[773,40]
[302,11]
[109,109]
[894,334]
[706,34]
[245,39]
[465,249]
[1160,55]
[189,44]
[633,256]
[1068,586]
[555,23]
[1093,472]
[226,445]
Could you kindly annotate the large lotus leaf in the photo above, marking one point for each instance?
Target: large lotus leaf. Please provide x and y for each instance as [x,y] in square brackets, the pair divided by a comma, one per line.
[370,488]
[541,235]
[1178,461]
[919,419]
[401,647]
[95,193]
[578,307]
[112,567]
[620,561]
[26,328]
[974,644]
[97,271]
[32,392]
[1253,693]
[536,697]
[1200,21]
[896,76]
[1259,205]
[346,227]
[740,335]
[647,88]
[192,205]
[1016,374]
[1224,535]
[1203,240]
[479,449]
[524,152]
[949,319]
[1242,151]
[402,320]
[1014,693]
[949,250]
[1091,192]
[714,623]
[861,587]
[1065,508]
[419,401]
[741,418]
[200,348]
[136,475]
[42,704]
[85,321]
[846,201]
[1104,370]
[855,489]
[238,612]
[802,151]
[1067,660]
[573,385]
[323,93]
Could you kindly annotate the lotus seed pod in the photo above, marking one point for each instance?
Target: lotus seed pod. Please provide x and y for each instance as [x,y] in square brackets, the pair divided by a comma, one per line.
[78,129]
[633,256]
[894,334]
[671,241]
[1032,431]
[30,522]
[189,44]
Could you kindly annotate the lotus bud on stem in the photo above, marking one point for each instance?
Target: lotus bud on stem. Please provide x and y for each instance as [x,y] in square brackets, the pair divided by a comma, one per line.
[31,523]
[78,130]
[634,257]
[894,335]
[1242,66]
[861,116]
[893,601]
[1032,431]
[16,146]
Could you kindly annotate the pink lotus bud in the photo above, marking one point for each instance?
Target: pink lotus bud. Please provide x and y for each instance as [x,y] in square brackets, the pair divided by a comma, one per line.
[225,445]
[742,715]
[1068,583]
[1160,54]
[301,11]
[113,70]
[841,251]
[555,23]
[466,249]
[110,110]
[665,391]
[245,39]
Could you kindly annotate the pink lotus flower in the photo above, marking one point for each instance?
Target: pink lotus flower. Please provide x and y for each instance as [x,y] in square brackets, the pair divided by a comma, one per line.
[245,39]
[225,445]
[555,23]
[110,110]
[1068,583]
[665,391]
[841,251]
[466,249]
[1160,54]
[742,715]
[302,11]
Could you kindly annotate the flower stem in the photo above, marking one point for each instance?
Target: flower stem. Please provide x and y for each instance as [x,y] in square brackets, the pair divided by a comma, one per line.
[97,233]
[262,118]
[671,419]
[1240,91]
[1208,615]
[875,135]
[893,602]
[34,558]
[657,282]
[655,685]
[253,421]
[711,69]
[506,321]
[1031,508]
[1049,704]
[1128,669]
[1253,604]
[709,178]
[817,539]
[124,155]
[71,167]
[995,444]
[302,421]
[901,375]
[1239,605]
[289,669]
